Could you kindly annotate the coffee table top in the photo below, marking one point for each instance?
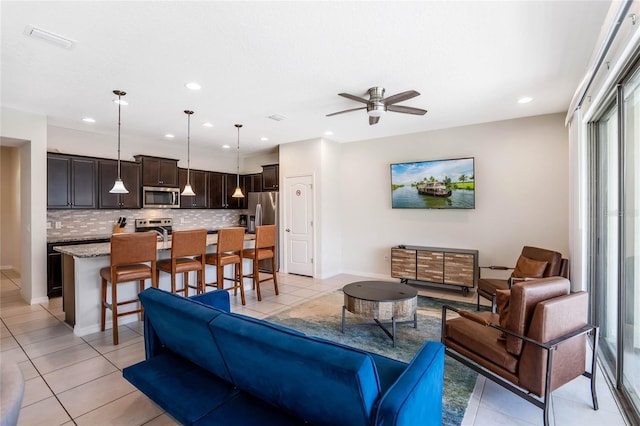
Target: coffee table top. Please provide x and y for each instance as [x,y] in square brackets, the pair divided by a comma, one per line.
[379,291]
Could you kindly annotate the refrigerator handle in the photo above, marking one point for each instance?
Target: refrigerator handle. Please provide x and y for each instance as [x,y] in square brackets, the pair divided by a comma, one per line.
[258,214]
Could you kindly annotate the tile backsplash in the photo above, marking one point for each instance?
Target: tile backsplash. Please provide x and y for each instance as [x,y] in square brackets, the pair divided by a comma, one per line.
[100,222]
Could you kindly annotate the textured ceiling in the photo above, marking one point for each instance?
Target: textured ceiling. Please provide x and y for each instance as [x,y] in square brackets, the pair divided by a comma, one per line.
[470,61]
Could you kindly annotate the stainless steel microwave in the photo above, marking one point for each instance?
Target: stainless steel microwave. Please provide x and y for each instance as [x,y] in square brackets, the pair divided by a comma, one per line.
[154,197]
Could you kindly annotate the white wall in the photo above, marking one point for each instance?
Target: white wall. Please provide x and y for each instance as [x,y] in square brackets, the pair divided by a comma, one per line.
[32,129]
[522,188]
[10,208]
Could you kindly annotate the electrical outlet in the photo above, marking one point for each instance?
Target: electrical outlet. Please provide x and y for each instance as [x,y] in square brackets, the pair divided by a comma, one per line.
[182,220]
[58,225]
[48,225]
[386,257]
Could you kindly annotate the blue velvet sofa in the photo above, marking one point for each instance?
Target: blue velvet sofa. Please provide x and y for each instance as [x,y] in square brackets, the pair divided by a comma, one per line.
[207,366]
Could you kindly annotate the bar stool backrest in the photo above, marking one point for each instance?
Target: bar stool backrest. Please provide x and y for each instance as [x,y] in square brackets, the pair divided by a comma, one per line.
[192,242]
[230,239]
[130,248]
[265,236]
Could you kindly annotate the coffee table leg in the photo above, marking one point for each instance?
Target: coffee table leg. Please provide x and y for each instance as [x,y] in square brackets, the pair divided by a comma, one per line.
[393,328]
[343,309]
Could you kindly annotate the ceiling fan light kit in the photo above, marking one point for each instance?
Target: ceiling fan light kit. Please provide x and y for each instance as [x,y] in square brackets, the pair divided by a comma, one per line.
[377,105]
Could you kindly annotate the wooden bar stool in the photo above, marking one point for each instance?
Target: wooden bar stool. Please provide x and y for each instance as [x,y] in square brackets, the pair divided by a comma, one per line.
[188,250]
[228,252]
[265,248]
[129,254]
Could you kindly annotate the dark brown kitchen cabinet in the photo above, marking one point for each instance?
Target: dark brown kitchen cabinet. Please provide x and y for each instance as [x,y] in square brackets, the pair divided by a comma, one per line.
[157,171]
[221,188]
[249,183]
[198,180]
[270,177]
[71,182]
[130,175]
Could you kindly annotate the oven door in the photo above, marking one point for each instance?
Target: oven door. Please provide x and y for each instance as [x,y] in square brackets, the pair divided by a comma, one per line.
[163,198]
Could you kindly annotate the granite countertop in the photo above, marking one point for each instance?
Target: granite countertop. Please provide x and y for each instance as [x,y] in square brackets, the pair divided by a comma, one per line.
[104,249]
[67,238]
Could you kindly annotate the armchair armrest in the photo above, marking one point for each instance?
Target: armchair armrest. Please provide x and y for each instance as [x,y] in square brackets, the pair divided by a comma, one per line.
[496,267]
[416,397]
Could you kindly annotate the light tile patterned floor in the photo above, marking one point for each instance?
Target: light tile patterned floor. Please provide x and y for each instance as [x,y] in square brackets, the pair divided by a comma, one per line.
[72,380]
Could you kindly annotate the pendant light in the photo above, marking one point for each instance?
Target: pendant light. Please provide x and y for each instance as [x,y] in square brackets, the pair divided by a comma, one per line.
[187,188]
[118,186]
[238,192]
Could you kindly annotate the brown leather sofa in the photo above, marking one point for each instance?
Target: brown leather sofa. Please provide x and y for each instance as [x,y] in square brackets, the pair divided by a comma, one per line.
[555,266]
[540,346]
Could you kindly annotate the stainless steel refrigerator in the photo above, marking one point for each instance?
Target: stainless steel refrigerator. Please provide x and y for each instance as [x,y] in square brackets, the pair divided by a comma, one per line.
[263,210]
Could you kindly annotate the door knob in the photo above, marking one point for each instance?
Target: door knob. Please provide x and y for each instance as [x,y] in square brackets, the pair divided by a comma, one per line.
[288,230]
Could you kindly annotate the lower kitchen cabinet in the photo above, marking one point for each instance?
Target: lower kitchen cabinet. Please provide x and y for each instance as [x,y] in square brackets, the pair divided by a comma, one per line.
[435,265]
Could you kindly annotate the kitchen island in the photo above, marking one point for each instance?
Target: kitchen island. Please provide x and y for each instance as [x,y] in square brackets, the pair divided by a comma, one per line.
[82,297]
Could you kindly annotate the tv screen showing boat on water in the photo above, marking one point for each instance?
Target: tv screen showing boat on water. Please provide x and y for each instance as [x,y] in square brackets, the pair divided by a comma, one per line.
[436,184]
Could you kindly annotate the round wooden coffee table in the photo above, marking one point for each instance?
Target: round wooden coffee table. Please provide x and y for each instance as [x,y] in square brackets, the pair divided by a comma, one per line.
[381,300]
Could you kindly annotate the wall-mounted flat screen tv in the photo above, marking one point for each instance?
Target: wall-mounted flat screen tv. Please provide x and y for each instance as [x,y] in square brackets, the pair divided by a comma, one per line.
[437,184]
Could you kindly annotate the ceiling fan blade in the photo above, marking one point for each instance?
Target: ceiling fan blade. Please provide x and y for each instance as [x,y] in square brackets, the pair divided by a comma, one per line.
[406,109]
[346,110]
[353,97]
[399,97]
[373,120]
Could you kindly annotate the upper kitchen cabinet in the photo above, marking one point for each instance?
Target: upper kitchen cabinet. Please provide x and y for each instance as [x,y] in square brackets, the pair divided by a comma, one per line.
[221,188]
[71,182]
[198,181]
[158,171]
[249,183]
[270,177]
[107,174]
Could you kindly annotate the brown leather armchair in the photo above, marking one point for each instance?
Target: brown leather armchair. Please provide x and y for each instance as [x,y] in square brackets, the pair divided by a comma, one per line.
[540,346]
[530,265]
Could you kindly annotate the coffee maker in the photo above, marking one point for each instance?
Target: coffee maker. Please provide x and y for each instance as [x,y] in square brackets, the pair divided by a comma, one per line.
[242,221]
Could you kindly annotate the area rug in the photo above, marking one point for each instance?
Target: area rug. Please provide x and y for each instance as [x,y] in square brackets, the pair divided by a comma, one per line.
[322,317]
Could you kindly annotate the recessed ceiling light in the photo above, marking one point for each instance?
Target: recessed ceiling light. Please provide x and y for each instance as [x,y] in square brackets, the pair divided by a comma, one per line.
[207,124]
[277,117]
[226,146]
[88,120]
[328,133]
[120,101]
[169,136]
[193,86]
[264,139]
[525,100]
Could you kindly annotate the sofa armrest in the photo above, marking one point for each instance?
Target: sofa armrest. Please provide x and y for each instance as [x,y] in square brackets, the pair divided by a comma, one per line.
[416,397]
[217,299]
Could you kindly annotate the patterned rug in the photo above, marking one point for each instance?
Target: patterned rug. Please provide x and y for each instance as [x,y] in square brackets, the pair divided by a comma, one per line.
[322,317]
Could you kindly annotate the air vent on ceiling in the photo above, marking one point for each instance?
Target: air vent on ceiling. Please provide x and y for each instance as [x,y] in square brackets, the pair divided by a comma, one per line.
[48,36]
[277,117]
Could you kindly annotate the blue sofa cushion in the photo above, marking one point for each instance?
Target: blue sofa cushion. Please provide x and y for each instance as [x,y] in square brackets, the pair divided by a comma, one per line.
[246,410]
[317,381]
[183,389]
[180,325]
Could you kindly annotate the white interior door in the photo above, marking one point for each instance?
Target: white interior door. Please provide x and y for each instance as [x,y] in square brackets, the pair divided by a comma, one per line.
[299,225]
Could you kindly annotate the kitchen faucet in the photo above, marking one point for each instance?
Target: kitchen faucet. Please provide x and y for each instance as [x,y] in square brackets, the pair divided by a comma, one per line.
[164,234]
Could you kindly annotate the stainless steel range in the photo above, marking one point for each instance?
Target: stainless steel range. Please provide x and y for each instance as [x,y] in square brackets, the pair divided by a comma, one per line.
[160,225]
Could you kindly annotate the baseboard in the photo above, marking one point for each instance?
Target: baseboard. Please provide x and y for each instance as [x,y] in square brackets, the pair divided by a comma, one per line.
[39,300]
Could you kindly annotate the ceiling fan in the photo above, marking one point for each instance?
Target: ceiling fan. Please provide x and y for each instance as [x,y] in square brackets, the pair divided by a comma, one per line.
[378,105]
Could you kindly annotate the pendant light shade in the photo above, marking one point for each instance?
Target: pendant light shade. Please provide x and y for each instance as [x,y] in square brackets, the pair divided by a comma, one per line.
[188,191]
[118,186]
[238,192]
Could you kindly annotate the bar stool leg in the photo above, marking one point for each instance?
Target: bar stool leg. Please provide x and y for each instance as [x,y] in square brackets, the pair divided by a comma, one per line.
[141,313]
[273,270]
[185,284]
[114,311]
[239,281]
[103,315]
[256,277]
